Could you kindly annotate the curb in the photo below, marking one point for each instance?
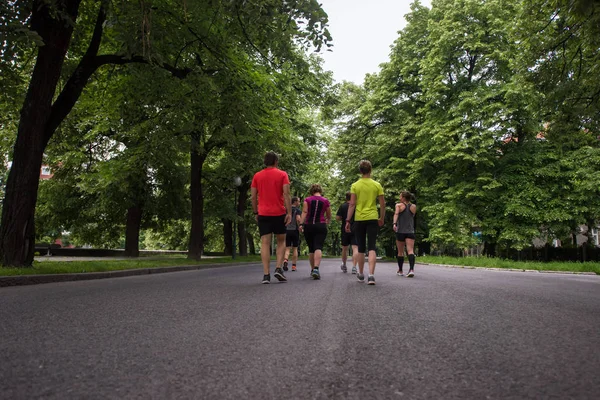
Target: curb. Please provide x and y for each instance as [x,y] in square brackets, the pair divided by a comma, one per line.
[22,280]
[512,269]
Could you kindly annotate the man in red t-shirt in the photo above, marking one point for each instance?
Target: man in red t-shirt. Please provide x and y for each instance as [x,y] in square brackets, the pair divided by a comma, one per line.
[273,209]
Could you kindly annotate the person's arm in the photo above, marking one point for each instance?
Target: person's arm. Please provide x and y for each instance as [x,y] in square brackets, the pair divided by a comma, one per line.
[381,210]
[396,214]
[351,208]
[254,194]
[413,209]
[304,214]
[288,203]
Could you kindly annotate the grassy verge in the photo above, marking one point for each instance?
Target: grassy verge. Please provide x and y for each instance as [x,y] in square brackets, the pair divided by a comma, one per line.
[68,267]
[486,262]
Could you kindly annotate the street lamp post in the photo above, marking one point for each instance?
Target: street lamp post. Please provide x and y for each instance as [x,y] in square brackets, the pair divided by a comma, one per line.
[237,181]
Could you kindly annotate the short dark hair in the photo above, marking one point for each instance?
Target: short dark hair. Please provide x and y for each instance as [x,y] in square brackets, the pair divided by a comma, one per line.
[365,167]
[295,199]
[271,158]
[406,195]
[315,188]
[348,196]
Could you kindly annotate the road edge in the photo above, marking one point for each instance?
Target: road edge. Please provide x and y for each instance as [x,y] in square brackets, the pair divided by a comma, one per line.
[23,280]
[511,269]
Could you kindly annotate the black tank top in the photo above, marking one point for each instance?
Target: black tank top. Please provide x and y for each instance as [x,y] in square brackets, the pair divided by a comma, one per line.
[406,221]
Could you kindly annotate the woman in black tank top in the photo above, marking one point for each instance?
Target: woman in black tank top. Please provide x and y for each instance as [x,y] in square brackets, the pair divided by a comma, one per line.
[404,226]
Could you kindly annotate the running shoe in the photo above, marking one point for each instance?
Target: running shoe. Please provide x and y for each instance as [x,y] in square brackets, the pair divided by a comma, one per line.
[354,270]
[400,273]
[315,274]
[410,274]
[285,267]
[371,280]
[266,279]
[293,268]
[361,278]
[344,268]
[279,275]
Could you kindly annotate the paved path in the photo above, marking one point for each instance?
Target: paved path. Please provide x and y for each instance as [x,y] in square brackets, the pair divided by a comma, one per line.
[219,334]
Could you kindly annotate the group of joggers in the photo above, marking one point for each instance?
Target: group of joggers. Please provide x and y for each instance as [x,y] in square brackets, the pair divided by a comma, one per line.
[278,214]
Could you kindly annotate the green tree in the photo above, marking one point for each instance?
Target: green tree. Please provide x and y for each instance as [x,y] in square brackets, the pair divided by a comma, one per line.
[262,26]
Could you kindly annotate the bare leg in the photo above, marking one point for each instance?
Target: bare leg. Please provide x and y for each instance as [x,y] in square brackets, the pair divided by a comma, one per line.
[287,253]
[354,254]
[294,256]
[344,254]
[372,261]
[361,262]
[410,249]
[280,250]
[265,254]
[400,246]
[311,260]
[317,258]
[400,257]
[410,246]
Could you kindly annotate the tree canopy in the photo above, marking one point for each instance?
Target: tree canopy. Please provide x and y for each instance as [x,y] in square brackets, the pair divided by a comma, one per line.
[487,111]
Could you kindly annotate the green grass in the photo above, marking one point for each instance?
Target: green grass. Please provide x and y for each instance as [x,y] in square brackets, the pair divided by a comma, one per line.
[67,267]
[486,262]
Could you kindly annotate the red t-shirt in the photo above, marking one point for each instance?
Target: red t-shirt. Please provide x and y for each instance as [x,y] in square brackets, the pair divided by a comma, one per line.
[269,184]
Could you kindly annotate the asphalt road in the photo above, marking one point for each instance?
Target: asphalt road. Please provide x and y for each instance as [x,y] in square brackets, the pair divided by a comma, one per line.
[220,334]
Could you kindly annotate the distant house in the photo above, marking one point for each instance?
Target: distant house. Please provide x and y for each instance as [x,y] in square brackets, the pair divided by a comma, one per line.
[46,172]
[583,237]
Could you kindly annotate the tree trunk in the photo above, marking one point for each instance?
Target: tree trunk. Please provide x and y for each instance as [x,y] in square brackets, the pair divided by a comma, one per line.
[489,248]
[228,236]
[17,231]
[197,158]
[251,247]
[132,231]
[241,209]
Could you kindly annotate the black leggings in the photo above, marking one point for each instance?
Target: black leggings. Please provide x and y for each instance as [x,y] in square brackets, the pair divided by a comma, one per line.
[315,235]
[366,235]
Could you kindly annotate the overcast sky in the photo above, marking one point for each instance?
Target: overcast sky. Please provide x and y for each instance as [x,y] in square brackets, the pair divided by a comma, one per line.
[363,32]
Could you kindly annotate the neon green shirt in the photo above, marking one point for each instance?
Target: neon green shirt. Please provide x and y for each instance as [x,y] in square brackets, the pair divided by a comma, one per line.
[367,191]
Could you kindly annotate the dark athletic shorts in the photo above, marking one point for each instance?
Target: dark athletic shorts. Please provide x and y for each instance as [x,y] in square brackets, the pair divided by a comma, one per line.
[292,238]
[366,235]
[267,225]
[315,235]
[401,237]
[348,238]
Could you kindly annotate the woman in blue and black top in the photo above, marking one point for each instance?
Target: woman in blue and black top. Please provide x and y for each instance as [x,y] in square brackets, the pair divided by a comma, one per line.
[316,214]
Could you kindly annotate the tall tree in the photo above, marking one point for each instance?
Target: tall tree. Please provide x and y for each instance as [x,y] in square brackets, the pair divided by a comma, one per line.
[175,27]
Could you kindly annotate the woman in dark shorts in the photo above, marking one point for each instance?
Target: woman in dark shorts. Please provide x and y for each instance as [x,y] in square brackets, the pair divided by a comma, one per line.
[316,214]
[404,226]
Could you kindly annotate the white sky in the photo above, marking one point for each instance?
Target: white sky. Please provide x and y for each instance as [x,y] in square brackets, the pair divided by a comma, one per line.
[362,31]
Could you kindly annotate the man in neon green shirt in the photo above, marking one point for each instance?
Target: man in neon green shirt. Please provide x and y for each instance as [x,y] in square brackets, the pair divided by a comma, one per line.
[363,200]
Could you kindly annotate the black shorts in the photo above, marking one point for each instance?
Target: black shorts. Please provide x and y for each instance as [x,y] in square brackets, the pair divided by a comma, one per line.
[292,238]
[315,235]
[268,224]
[348,238]
[366,235]
[401,237]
